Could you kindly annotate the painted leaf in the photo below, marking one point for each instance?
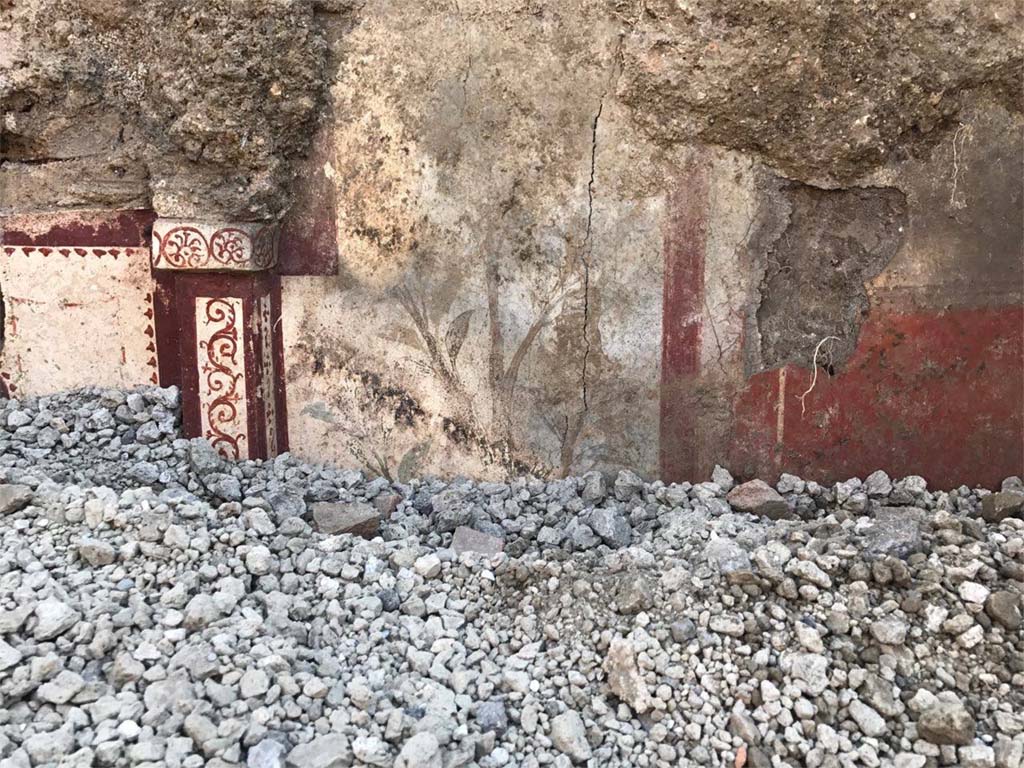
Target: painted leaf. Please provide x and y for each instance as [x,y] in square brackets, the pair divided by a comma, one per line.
[457,335]
[408,467]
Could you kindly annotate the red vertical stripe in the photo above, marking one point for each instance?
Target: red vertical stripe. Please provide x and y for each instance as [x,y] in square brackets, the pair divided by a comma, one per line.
[685,239]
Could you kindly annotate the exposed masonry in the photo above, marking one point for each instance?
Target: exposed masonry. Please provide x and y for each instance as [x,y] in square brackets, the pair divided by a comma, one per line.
[203,105]
[818,249]
[825,93]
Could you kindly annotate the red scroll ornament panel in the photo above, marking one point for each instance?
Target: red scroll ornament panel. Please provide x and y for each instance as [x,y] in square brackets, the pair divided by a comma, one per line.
[196,246]
[221,362]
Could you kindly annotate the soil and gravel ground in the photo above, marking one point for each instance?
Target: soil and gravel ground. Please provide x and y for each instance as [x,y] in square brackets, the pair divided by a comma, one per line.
[162,607]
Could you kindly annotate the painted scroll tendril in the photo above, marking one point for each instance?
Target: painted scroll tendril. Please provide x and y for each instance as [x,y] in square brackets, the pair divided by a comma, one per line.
[222,375]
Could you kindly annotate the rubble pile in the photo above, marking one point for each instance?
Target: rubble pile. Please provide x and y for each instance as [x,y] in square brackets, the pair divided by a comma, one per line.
[161,606]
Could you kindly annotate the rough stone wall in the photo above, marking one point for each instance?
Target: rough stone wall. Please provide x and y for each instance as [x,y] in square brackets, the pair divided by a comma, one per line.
[195,108]
[535,235]
[825,92]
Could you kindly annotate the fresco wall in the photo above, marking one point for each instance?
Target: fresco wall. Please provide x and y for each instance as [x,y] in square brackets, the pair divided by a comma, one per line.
[501,256]
[555,293]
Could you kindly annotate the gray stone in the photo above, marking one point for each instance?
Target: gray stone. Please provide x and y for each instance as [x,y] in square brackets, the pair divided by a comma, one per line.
[200,612]
[877,485]
[17,419]
[259,520]
[223,486]
[428,566]
[973,592]
[581,535]
[14,498]
[145,473]
[882,695]
[357,518]
[148,433]
[173,694]
[370,750]
[203,458]
[756,497]
[721,477]
[627,485]
[633,594]
[895,531]
[683,631]
[329,751]
[569,736]
[1012,484]
[612,527]
[254,682]
[1009,753]
[809,572]
[867,719]
[811,669]
[285,504]
[451,510]
[61,689]
[259,561]
[726,556]
[54,618]
[889,631]
[268,753]
[790,484]
[492,716]
[14,619]
[50,747]
[176,537]
[200,729]
[977,756]
[996,507]
[946,721]
[594,488]
[549,537]
[421,751]
[9,656]
[468,539]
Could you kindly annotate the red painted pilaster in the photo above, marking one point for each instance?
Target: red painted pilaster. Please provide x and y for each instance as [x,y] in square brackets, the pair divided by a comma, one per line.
[220,313]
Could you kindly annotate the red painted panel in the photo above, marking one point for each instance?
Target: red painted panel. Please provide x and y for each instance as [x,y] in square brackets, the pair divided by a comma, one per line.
[168,328]
[277,338]
[936,394]
[250,288]
[309,237]
[685,240]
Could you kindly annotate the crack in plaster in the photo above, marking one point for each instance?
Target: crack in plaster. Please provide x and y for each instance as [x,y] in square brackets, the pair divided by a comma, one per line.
[616,70]
[584,257]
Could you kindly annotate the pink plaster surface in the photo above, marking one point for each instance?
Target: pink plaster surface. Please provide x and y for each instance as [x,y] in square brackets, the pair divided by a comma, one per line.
[76,316]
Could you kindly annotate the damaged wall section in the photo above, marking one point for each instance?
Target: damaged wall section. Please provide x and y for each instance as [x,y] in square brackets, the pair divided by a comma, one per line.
[817,268]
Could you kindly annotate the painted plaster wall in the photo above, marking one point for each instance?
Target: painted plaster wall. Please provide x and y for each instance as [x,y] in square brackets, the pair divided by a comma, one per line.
[506,241]
[77,303]
[497,302]
[512,247]
[935,383]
